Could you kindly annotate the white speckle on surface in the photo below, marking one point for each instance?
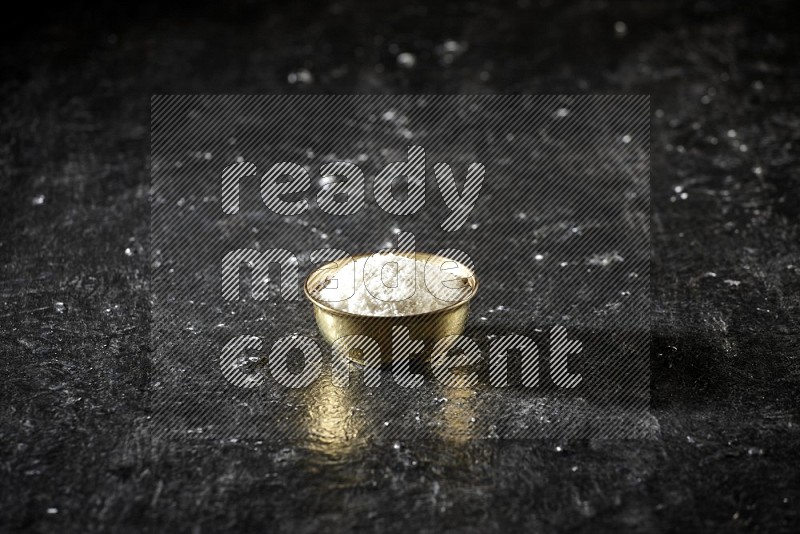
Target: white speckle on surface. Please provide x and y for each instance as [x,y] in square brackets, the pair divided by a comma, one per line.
[52,511]
[129,251]
[758,85]
[449,50]
[396,446]
[303,76]
[684,195]
[190,327]
[451,46]
[620,29]
[522,215]
[605,259]
[563,264]
[678,189]
[389,115]
[758,171]
[474,226]
[733,283]
[59,307]
[538,257]
[561,113]
[559,448]
[407,60]
[626,139]
[742,148]
[38,200]
[732,133]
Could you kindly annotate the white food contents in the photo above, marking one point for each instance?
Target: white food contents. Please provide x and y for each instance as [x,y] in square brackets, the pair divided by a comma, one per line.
[387,285]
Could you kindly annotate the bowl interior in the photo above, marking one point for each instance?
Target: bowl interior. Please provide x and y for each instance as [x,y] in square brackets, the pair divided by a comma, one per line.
[319,278]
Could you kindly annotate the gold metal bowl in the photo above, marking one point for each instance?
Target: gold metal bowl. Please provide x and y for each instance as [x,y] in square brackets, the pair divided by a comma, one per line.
[428,327]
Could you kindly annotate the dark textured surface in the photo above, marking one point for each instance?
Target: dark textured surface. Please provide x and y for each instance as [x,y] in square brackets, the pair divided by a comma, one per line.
[546,176]
[725,82]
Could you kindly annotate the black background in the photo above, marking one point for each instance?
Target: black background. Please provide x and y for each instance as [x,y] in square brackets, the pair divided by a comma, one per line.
[76,85]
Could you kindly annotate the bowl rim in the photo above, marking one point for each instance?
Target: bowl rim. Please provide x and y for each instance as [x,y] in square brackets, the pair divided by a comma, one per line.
[323,305]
